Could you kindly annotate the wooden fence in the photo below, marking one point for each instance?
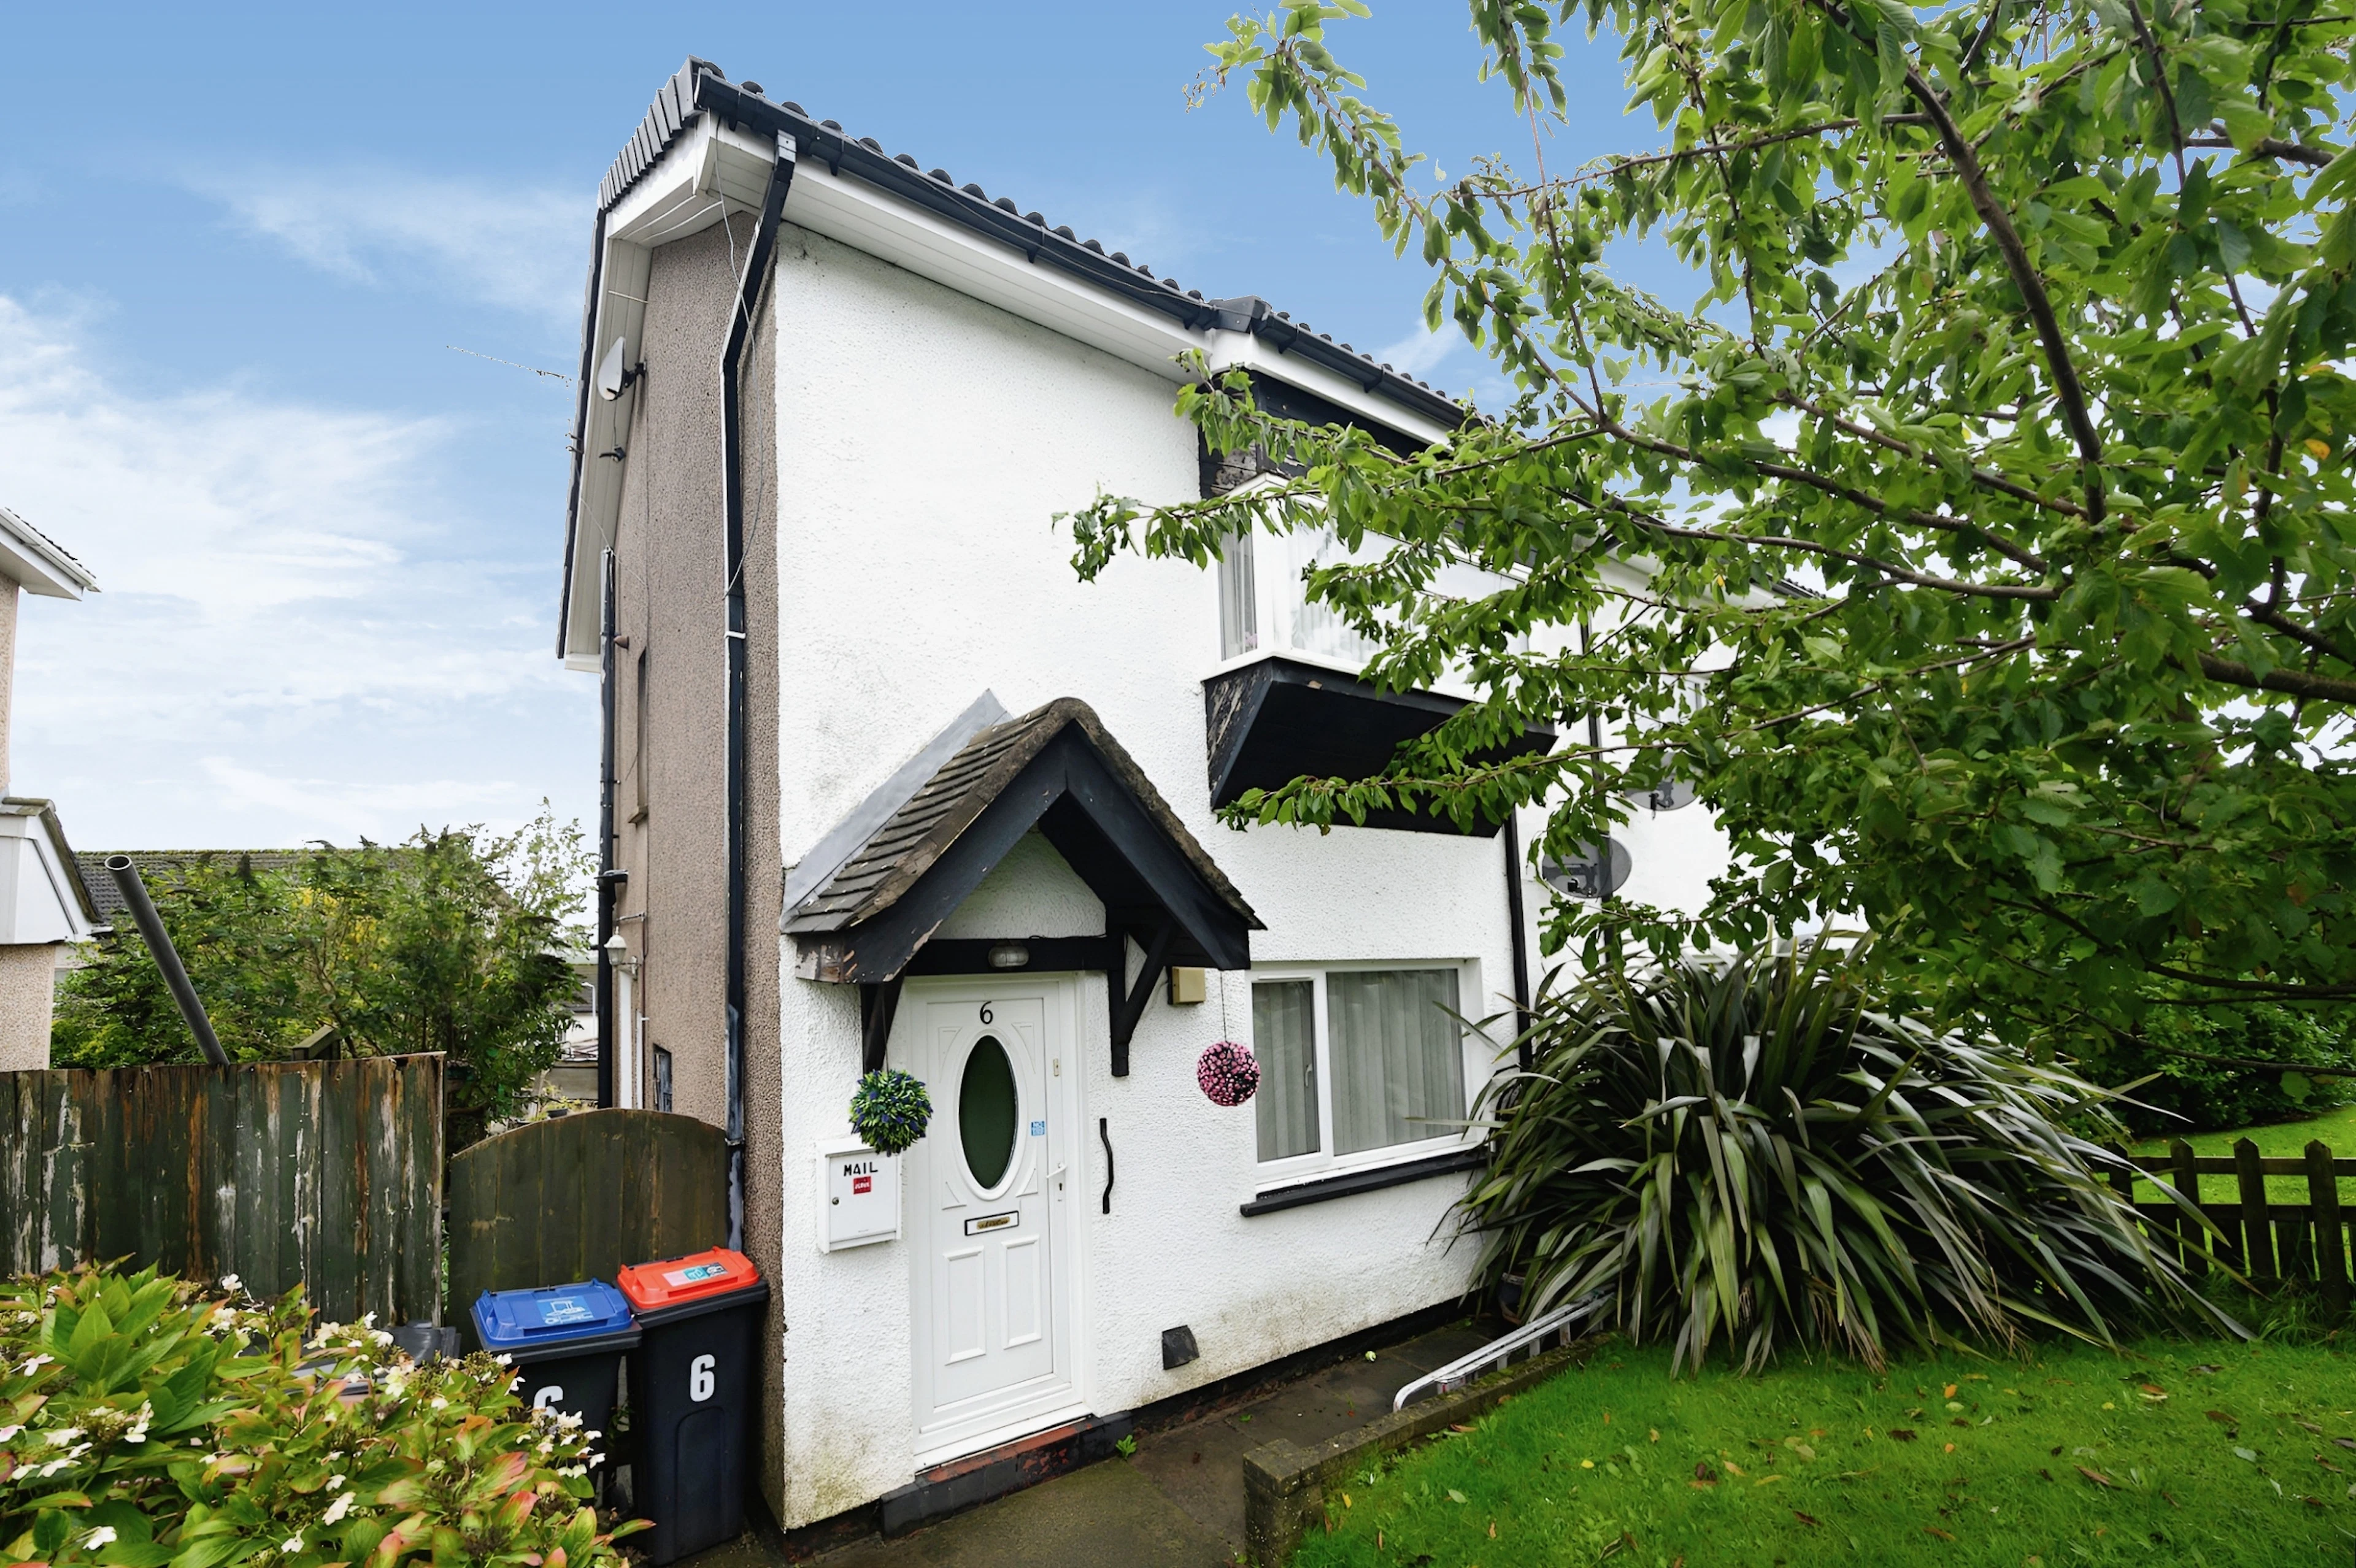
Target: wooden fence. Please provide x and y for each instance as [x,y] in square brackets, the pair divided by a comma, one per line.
[578,1197]
[323,1174]
[2266,1242]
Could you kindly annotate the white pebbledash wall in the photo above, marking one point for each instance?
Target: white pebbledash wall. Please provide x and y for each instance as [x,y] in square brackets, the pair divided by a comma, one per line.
[925,442]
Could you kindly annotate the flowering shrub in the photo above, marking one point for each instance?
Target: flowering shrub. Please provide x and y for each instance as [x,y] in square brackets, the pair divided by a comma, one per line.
[146,1421]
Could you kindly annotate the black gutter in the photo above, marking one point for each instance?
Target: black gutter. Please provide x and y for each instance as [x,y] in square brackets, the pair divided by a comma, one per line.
[606,871]
[749,289]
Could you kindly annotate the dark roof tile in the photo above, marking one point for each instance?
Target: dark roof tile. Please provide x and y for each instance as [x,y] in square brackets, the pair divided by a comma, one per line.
[915,836]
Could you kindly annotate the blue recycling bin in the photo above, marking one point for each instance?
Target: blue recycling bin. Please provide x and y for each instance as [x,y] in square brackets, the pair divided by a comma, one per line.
[565,1341]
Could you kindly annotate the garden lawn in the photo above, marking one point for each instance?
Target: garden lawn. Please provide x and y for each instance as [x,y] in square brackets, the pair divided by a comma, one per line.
[2198,1453]
[2279,1140]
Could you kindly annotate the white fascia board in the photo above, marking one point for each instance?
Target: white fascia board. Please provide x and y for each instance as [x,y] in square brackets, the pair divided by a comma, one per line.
[1242,350]
[884,226]
[710,171]
[37,563]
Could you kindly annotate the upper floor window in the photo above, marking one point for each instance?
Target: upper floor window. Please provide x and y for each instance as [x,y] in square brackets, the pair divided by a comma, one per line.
[1358,1066]
[1264,605]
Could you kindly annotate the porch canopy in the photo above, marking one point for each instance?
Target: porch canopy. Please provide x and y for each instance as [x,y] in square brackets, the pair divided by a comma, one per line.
[871,922]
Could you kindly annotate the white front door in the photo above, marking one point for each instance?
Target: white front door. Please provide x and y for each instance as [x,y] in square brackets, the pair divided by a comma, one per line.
[990,1190]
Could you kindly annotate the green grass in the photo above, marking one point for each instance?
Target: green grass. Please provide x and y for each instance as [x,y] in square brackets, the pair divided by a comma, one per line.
[1801,1465]
[2280,1140]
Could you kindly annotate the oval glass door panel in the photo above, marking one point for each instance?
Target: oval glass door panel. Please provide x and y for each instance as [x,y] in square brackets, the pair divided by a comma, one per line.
[986,1112]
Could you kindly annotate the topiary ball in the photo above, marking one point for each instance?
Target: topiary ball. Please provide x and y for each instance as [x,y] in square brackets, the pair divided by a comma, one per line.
[890,1111]
[1228,1073]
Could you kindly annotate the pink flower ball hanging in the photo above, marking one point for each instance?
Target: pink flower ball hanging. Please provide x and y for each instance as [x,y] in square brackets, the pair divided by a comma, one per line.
[1227,1073]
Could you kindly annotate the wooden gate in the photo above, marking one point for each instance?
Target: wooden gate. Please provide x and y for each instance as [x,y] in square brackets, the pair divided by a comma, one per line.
[323,1174]
[579,1197]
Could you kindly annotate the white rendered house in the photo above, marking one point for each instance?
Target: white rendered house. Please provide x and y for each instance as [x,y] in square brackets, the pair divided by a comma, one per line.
[888,785]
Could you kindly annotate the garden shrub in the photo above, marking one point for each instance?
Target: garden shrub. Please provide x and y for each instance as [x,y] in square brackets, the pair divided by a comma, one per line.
[1749,1150]
[2184,1094]
[150,1422]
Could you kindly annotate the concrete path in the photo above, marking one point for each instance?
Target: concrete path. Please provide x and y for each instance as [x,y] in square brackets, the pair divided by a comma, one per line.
[1178,1503]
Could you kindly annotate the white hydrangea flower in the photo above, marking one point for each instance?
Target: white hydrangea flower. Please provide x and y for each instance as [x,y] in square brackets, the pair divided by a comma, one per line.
[8,1431]
[229,1282]
[334,1481]
[35,1365]
[340,1506]
[291,1545]
[62,1436]
[504,1360]
[102,1536]
[368,1319]
[438,1402]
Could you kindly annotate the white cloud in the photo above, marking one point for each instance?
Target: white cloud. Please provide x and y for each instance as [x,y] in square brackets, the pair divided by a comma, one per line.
[1419,353]
[297,636]
[347,811]
[519,249]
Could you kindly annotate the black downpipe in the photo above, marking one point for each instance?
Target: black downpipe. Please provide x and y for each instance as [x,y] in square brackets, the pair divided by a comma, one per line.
[606,867]
[168,957]
[731,477]
[1513,837]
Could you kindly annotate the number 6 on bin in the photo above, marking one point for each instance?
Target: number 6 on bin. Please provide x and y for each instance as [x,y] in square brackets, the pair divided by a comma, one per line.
[699,1379]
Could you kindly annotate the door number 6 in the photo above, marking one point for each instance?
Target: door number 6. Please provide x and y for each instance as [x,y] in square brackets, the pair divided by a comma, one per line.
[986,1016]
[699,1379]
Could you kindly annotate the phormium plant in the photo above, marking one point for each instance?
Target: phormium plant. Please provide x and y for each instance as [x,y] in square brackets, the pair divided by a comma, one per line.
[1747,1151]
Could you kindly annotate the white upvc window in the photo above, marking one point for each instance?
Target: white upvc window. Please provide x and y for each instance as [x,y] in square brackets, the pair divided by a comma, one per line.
[1264,604]
[1360,1066]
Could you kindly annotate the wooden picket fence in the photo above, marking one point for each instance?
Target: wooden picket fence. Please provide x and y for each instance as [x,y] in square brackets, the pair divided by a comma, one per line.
[2267,1242]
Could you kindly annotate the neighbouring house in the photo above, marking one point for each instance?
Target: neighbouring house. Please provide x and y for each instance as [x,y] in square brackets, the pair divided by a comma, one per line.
[885,785]
[574,1079]
[45,909]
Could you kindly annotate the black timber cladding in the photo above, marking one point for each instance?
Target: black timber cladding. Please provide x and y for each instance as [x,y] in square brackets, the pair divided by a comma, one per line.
[1055,769]
[1277,720]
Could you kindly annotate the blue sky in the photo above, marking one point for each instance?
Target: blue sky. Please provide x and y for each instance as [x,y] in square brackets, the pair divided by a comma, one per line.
[242,240]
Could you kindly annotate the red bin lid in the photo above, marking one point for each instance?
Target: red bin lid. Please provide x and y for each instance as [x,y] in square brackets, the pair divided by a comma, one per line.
[676,1281]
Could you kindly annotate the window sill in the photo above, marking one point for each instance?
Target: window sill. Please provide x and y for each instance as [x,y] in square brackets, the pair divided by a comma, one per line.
[1372,1180]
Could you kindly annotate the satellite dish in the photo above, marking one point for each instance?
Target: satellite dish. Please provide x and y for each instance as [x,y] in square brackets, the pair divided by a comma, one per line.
[1670,795]
[1589,875]
[613,375]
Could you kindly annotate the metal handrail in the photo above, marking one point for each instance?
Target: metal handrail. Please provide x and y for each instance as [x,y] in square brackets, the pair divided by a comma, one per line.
[1499,1352]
